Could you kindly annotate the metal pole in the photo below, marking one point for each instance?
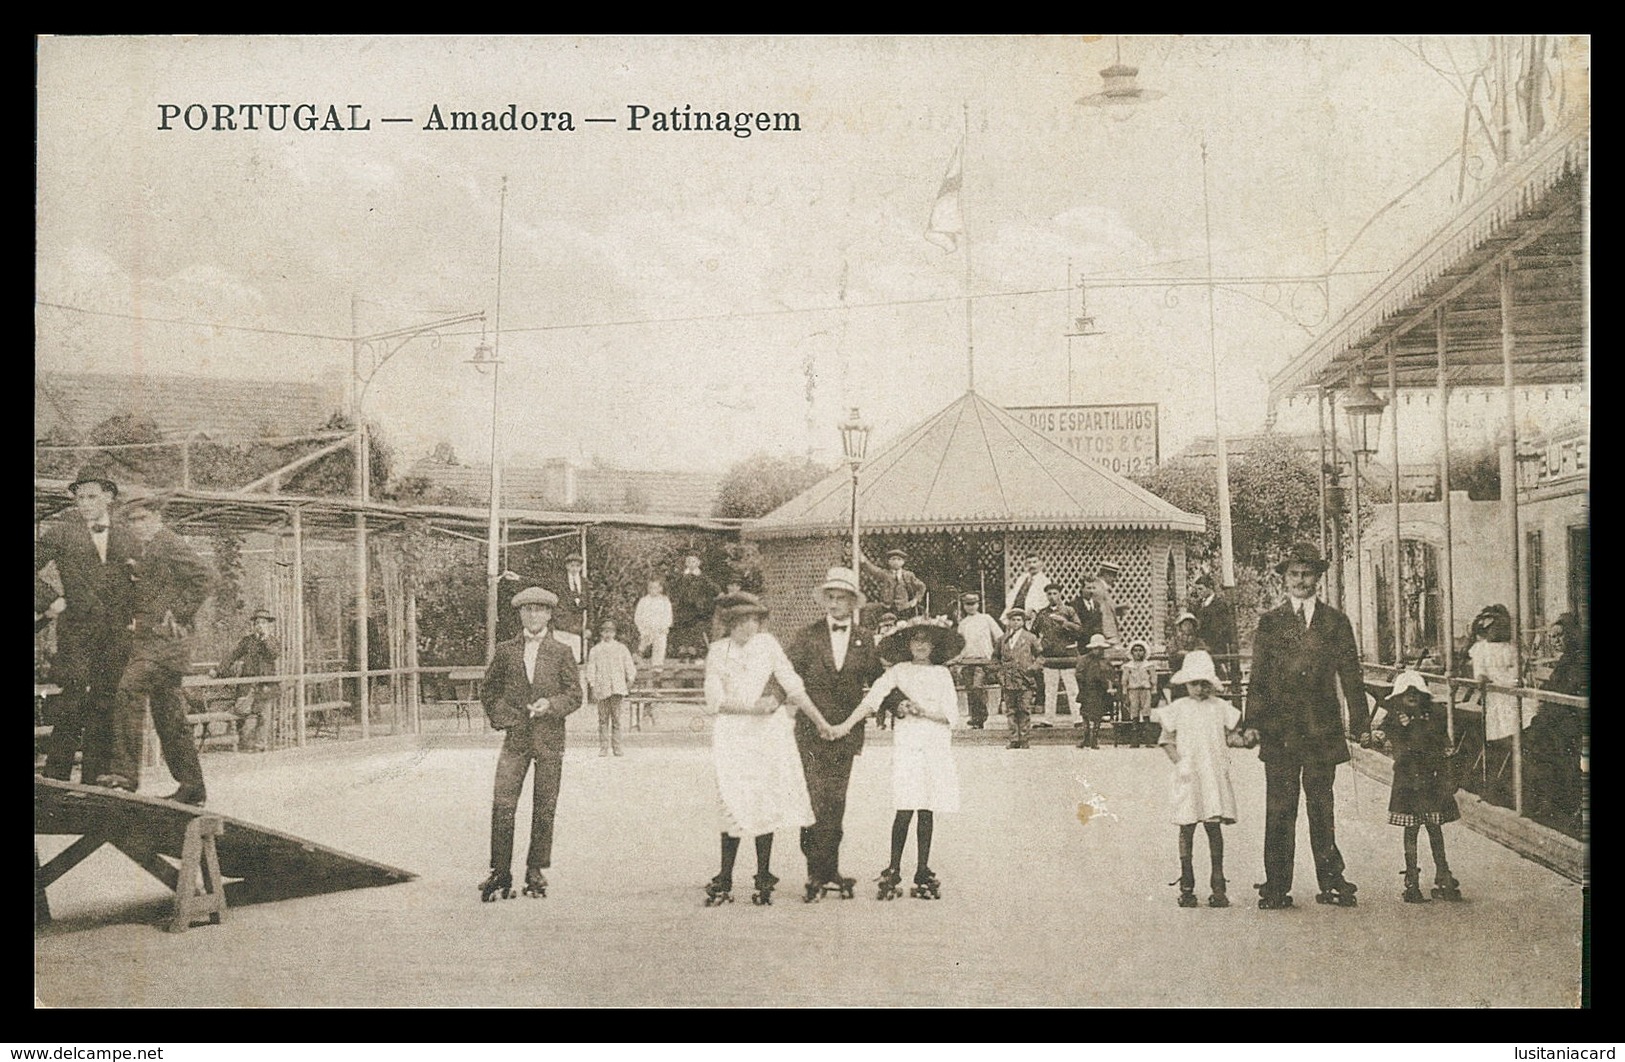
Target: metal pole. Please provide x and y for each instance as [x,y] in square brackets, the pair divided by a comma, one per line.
[1320,426]
[1359,575]
[1397,594]
[1337,521]
[493,564]
[970,331]
[363,596]
[299,696]
[1447,576]
[856,563]
[414,681]
[1226,545]
[1509,501]
[586,596]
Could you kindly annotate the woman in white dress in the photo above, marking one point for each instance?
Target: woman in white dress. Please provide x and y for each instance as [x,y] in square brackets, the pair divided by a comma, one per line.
[920,692]
[760,785]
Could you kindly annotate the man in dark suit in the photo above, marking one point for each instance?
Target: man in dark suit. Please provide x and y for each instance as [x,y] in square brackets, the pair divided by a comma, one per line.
[531,686]
[1215,623]
[170,583]
[570,618]
[91,550]
[837,660]
[1303,650]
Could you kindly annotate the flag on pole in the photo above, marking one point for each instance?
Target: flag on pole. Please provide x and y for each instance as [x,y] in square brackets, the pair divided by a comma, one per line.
[947,225]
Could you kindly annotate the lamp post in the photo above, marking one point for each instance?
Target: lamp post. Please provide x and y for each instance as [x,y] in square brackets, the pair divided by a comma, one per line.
[483,356]
[854,444]
[1363,407]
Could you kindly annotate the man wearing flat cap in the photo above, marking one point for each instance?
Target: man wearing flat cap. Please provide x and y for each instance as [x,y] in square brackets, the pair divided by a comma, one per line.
[1303,651]
[900,590]
[170,582]
[531,686]
[91,548]
[837,660]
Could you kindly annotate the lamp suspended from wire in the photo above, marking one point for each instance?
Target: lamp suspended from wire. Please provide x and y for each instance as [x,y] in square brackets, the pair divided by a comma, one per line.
[1121,85]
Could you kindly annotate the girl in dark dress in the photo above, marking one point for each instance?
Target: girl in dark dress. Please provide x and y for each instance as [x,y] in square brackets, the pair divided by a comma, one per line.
[1424,791]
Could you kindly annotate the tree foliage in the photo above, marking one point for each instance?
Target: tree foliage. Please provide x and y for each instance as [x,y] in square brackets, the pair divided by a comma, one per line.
[758,485]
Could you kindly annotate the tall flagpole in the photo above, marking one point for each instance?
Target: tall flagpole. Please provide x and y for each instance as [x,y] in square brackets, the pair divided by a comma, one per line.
[970,329]
[1226,546]
[493,536]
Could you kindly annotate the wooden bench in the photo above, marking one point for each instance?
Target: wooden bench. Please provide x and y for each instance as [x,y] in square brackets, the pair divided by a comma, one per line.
[202,723]
[671,684]
[325,716]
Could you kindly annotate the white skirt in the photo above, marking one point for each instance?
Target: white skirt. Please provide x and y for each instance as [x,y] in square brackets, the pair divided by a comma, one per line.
[760,785]
[923,774]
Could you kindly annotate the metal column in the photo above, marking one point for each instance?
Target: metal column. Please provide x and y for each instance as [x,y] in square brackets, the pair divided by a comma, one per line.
[299,693]
[1397,596]
[1447,564]
[1509,504]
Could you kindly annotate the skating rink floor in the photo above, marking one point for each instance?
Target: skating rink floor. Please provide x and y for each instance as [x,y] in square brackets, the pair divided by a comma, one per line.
[1038,907]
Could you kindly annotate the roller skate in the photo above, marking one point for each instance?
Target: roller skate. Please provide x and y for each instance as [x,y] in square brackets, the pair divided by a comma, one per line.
[1218,897]
[926,885]
[719,891]
[1446,887]
[890,880]
[845,888]
[1413,891]
[1269,900]
[535,882]
[1339,894]
[500,882]
[1187,890]
[762,895]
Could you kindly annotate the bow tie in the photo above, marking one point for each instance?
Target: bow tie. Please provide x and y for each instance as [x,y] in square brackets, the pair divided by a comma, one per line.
[98,529]
[834,629]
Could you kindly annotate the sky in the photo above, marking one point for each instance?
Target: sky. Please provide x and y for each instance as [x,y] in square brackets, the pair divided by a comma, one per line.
[684,299]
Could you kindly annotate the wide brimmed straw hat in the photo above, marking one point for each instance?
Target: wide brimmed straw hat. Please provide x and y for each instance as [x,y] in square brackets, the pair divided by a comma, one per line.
[946,642]
[1198,667]
[1183,616]
[1409,680]
[739,605]
[1098,641]
[841,579]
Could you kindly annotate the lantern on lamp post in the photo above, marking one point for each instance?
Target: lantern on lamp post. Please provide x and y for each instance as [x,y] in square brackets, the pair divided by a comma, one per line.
[1363,407]
[854,445]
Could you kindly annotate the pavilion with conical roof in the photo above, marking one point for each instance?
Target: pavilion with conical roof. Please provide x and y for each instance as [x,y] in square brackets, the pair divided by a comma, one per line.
[970,492]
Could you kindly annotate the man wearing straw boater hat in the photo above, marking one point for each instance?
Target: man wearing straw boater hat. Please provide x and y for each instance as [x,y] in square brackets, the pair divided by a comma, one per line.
[90,547]
[837,660]
[531,686]
[1303,651]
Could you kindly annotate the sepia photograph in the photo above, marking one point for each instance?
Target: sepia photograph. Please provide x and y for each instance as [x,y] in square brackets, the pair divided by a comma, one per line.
[550,521]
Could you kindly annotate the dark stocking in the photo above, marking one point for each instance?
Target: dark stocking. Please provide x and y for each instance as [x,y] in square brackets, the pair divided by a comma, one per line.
[764,853]
[1410,849]
[1441,866]
[730,852]
[899,836]
[1215,851]
[1187,837]
[927,822]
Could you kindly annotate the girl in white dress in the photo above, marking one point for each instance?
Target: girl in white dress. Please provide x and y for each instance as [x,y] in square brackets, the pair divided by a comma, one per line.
[920,690]
[760,785]
[1197,731]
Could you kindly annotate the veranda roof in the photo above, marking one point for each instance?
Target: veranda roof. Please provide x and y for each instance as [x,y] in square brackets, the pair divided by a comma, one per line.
[974,466]
[1531,214]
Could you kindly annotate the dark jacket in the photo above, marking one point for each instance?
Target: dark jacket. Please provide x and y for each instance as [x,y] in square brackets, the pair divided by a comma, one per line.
[571,611]
[507,692]
[1089,619]
[901,591]
[1292,695]
[1095,677]
[836,693]
[98,595]
[693,597]
[171,581]
[1216,623]
[1058,630]
[253,655]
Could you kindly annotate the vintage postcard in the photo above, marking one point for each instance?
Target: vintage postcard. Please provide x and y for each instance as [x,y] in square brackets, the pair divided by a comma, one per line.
[753,521]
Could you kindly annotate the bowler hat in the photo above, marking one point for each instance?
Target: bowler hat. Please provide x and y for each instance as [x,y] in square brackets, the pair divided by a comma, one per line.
[263,614]
[738,605]
[94,474]
[535,595]
[844,579]
[1302,553]
[946,643]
